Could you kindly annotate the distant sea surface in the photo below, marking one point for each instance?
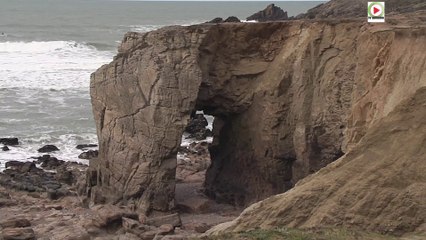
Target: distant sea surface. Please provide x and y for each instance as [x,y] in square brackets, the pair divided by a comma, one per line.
[49,48]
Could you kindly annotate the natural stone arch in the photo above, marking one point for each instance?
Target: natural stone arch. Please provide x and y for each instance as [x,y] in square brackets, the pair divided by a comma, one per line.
[269,129]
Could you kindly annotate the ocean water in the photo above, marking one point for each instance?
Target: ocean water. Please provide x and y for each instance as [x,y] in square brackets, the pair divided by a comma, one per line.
[49,48]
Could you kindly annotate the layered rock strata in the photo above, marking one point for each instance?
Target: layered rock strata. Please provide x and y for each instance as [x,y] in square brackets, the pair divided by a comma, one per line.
[380,185]
[288,98]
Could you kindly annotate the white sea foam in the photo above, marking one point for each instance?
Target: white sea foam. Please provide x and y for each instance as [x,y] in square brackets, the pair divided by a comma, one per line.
[49,65]
[148,28]
[145,28]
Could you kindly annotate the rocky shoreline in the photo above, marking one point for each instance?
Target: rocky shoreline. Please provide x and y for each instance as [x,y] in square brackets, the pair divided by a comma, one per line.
[46,198]
[317,124]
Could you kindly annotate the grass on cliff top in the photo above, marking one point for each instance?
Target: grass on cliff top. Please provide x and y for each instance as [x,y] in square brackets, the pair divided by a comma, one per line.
[296,234]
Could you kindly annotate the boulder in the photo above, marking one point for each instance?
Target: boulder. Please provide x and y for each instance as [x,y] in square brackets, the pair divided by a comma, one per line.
[134,226]
[232,19]
[64,175]
[110,215]
[166,229]
[48,162]
[15,223]
[197,122]
[21,167]
[216,20]
[89,154]
[48,148]
[270,13]
[84,146]
[5,148]
[197,227]
[27,177]
[200,135]
[9,141]
[18,234]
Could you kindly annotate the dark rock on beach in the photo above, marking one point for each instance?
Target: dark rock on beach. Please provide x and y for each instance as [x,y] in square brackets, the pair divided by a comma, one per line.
[197,122]
[232,19]
[5,148]
[270,13]
[216,20]
[197,127]
[202,134]
[21,167]
[26,176]
[83,146]
[88,154]
[48,148]
[48,162]
[9,141]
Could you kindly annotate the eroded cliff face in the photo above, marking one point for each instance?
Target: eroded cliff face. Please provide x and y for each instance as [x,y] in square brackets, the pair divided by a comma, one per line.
[380,185]
[288,98]
[142,102]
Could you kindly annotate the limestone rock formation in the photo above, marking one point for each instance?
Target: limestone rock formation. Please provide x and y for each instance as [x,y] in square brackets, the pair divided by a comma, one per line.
[270,13]
[142,102]
[358,8]
[288,99]
[379,185]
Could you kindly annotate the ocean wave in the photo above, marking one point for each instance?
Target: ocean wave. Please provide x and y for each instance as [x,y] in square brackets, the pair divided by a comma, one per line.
[42,46]
[50,64]
[145,28]
[148,27]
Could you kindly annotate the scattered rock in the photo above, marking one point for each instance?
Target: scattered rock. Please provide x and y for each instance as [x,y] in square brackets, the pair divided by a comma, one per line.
[202,134]
[198,227]
[64,175]
[166,229]
[9,141]
[89,154]
[27,177]
[18,234]
[54,194]
[172,219]
[48,148]
[134,226]
[270,13]
[15,223]
[48,162]
[21,167]
[232,19]
[110,215]
[5,148]
[83,146]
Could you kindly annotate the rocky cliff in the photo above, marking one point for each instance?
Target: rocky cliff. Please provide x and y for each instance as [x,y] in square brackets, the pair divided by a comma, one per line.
[288,99]
[380,185]
[358,8]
